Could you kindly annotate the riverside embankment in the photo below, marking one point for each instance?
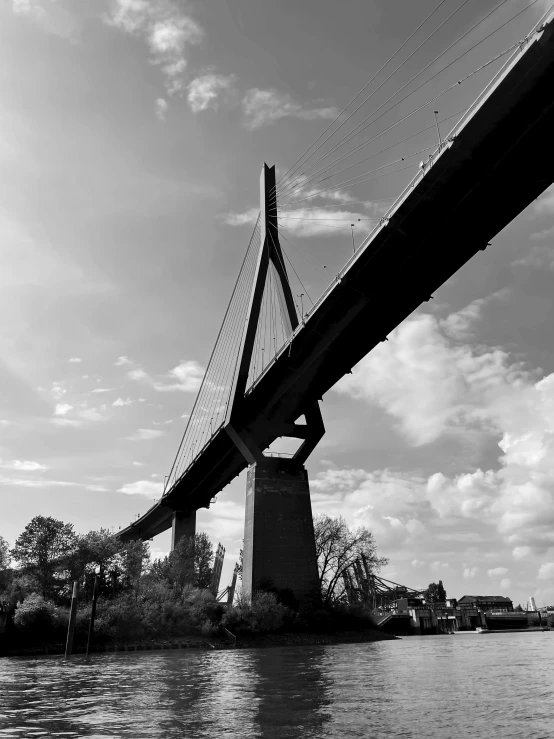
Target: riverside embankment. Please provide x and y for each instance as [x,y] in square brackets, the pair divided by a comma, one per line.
[245,641]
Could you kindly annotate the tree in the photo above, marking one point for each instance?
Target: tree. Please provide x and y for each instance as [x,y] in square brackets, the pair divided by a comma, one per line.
[44,549]
[337,549]
[97,551]
[4,554]
[240,564]
[190,562]
[203,561]
[131,561]
[435,593]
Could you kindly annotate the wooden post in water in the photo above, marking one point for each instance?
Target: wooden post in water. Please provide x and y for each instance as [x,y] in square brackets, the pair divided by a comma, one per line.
[72,617]
[92,612]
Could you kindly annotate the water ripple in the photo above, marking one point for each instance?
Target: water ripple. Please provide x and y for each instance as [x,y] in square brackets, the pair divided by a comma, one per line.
[433,687]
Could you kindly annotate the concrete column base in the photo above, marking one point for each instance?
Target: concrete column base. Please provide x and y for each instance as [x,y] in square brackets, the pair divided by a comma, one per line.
[279,544]
[184,524]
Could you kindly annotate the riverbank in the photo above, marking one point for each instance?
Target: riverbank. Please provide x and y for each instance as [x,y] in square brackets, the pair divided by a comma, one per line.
[250,641]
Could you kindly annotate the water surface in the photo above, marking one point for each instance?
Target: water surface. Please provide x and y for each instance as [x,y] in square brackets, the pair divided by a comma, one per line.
[466,685]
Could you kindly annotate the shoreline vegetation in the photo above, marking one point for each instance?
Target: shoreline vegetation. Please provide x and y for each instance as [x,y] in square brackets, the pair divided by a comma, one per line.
[169,602]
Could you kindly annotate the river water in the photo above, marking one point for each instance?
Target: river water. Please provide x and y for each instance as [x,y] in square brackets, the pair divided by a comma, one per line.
[467,685]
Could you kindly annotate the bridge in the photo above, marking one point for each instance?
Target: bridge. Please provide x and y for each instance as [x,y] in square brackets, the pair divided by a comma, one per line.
[271,367]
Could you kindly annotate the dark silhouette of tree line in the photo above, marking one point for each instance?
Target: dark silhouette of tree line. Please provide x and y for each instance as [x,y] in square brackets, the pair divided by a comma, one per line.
[143,599]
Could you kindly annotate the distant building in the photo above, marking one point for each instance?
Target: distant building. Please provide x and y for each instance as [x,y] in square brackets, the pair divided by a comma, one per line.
[486,603]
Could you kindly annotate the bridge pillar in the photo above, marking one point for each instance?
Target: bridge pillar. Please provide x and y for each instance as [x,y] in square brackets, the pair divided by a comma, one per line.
[183,524]
[279,544]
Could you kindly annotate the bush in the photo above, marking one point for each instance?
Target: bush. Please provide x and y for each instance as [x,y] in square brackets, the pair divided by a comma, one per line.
[353,617]
[263,616]
[37,617]
[120,619]
[157,610]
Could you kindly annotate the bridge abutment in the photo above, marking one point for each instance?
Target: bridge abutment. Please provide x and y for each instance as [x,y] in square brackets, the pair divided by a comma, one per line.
[183,524]
[279,543]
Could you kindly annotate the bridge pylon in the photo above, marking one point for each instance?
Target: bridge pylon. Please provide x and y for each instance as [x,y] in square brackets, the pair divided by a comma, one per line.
[279,544]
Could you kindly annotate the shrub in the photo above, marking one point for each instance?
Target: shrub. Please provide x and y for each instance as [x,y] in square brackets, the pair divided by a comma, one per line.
[157,609]
[263,616]
[37,617]
[120,619]
[201,605]
[353,617]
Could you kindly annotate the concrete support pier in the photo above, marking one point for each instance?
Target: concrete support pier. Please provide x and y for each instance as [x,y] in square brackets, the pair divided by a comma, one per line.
[279,544]
[183,524]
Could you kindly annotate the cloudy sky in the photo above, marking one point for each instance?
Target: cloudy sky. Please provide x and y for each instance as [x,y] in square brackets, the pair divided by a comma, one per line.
[132,133]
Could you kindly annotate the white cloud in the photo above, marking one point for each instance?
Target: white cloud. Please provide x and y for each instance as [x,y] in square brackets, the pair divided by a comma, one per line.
[188,374]
[165,29]
[97,488]
[262,107]
[50,15]
[546,233]
[58,390]
[437,565]
[22,466]
[392,505]
[138,375]
[146,434]
[226,521]
[90,414]
[309,221]
[206,91]
[505,584]
[161,108]
[34,482]
[497,572]
[123,401]
[246,218]
[432,387]
[120,361]
[539,257]
[75,360]
[521,552]
[546,571]
[143,487]
[138,464]
[103,390]
[417,563]
[545,204]
[470,572]
[437,388]
[62,409]
[459,325]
